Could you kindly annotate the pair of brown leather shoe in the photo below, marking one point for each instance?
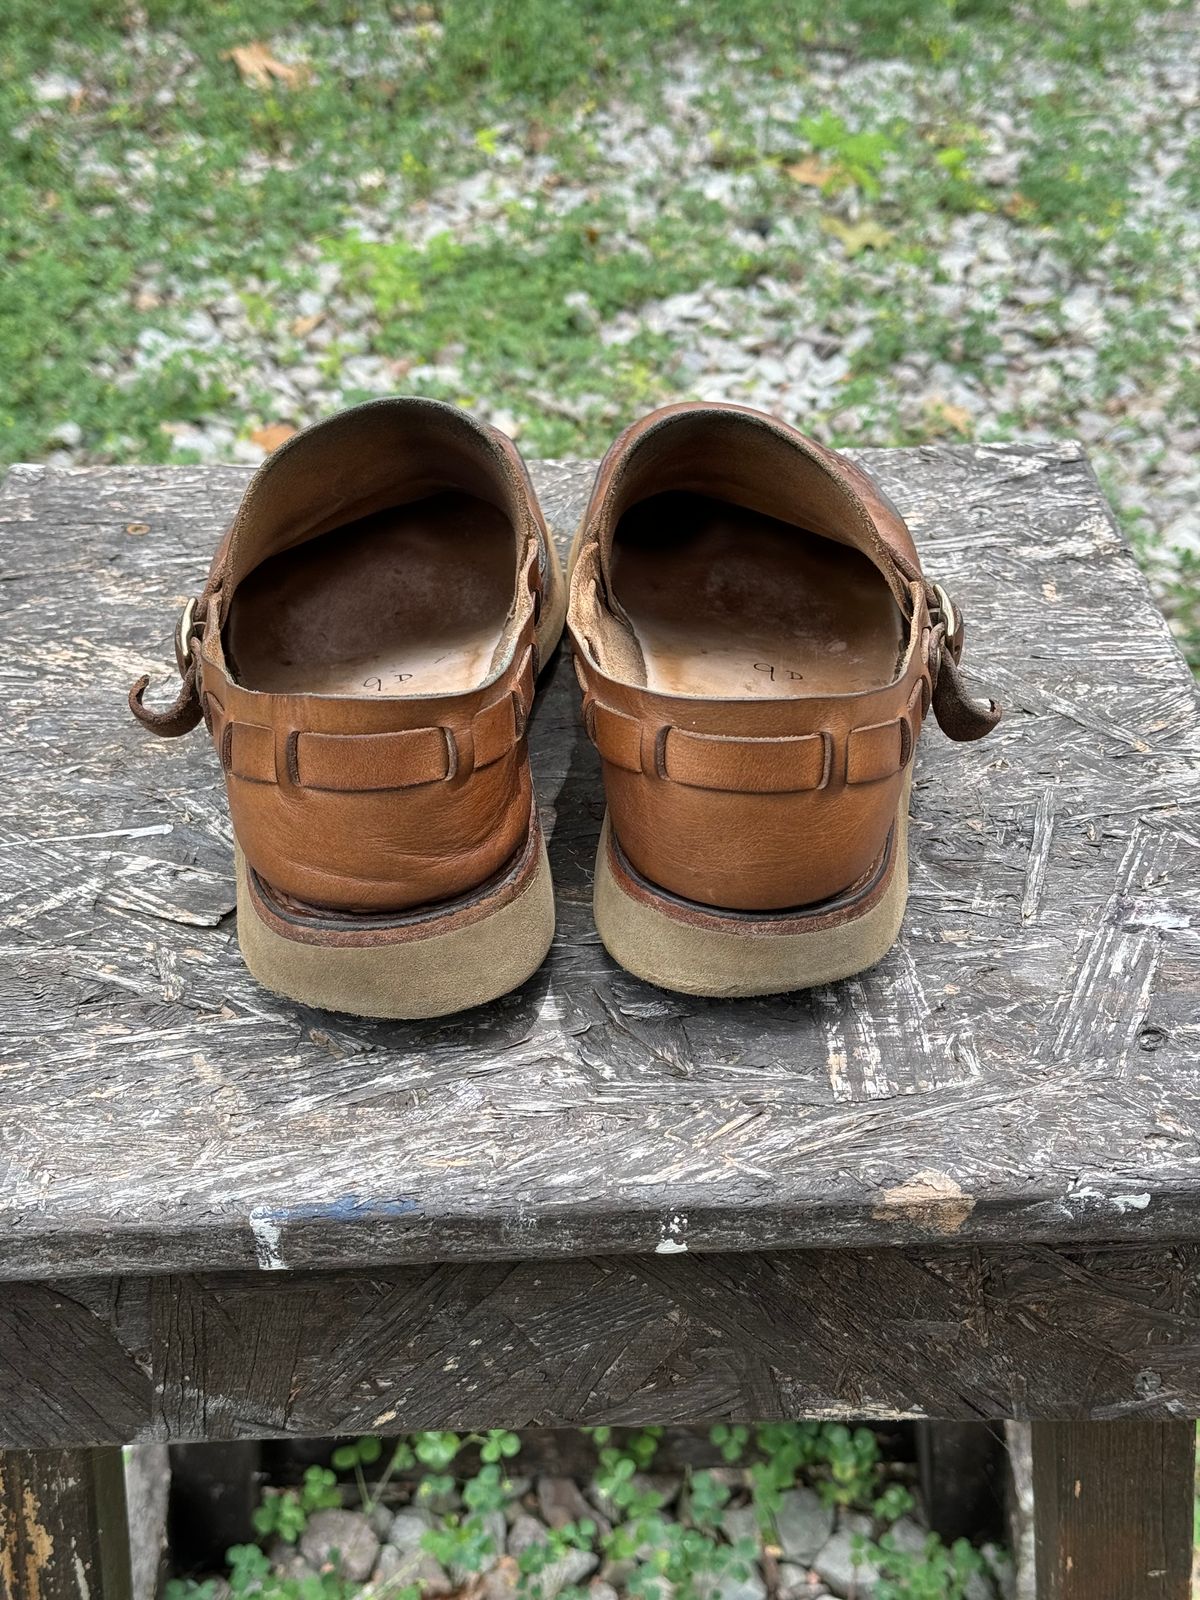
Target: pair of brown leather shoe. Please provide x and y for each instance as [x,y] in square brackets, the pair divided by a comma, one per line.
[757,648]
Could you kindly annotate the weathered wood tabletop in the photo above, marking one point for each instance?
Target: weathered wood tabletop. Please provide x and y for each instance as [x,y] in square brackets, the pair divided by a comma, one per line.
[1022,1068]
[223,1215]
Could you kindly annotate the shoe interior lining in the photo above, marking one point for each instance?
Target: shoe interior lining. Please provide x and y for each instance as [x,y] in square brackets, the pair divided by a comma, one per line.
[411,600]
[727,602]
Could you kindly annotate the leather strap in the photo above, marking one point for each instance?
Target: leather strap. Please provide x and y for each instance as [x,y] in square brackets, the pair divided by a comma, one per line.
[755,765]
[360,763]
[185,713]
[739,764]
[960,716]
[179,718]
[791,765]
[879,750]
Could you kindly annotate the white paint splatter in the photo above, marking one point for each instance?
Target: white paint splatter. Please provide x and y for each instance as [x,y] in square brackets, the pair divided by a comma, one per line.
[672,1242]
[266,1241]
[1118,1202]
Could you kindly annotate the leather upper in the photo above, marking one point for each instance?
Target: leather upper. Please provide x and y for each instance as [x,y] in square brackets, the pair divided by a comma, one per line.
[392,801]
[764,803]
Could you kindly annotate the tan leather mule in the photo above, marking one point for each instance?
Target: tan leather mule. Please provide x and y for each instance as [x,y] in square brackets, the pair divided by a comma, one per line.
[758,649]
[365,654]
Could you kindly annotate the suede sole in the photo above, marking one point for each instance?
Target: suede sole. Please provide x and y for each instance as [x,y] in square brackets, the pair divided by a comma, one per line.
[696,950]
[427,963]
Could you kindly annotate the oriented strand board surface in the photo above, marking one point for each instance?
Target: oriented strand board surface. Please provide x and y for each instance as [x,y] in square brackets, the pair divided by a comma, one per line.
[1023,1067]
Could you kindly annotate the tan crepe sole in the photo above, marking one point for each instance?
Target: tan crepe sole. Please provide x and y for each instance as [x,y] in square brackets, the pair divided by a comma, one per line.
[666,944]
[426,967]
[438,972]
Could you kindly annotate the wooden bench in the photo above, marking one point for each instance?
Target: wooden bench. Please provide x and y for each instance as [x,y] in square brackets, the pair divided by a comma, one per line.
[963,1186]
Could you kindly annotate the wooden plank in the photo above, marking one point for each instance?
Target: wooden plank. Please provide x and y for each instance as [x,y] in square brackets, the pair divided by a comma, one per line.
[1113,1509]
[622,1340]
[1024,1066]
[147,1491]
[63,1528]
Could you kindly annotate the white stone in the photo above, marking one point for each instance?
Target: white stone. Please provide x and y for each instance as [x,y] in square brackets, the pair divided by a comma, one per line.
[804,1524]
[343,1541]
[835,1562]
[408,1527]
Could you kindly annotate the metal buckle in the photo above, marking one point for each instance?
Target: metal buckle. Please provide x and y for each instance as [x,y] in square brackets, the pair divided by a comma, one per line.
[187,632]
[946,609]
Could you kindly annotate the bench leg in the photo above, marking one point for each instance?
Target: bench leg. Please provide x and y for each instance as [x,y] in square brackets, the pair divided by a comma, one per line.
[1112,1509]
[64,1534]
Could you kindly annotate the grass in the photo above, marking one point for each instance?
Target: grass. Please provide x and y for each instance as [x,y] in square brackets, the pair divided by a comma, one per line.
[142,181]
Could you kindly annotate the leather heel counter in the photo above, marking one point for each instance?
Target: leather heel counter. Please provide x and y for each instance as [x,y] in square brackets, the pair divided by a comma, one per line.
[389,851]
[759,852]
[764,818]
[381,819]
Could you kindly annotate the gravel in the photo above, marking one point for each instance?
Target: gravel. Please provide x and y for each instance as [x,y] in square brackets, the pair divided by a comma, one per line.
[384,1549]
[768,343]
[560,1500]
[340,1541]
[569,1569]
[804,1524]
[751,1587]
[835,1562]
[409,1526]
[525,1532]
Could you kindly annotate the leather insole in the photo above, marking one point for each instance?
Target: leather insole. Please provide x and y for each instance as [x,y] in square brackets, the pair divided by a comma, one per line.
[728,603]
[412,600]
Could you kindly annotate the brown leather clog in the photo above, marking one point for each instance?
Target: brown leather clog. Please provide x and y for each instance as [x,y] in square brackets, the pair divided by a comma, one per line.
[758,648]
[365,653]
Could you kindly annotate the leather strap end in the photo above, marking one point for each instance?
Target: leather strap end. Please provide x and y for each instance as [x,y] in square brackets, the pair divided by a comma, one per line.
[959,716]
[177,719]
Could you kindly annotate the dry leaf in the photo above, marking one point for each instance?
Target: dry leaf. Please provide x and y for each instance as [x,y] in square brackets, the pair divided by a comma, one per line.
[537,138]
[272,436]
[856,236]
[1018,207]
[811,172]
[136,529]
[947,417]
[303,326]
[259,68]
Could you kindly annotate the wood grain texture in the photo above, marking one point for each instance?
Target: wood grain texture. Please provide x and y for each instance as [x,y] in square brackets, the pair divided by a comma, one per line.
[1113,1509]
[63,1528]
[956,1332]
[1022,1067]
